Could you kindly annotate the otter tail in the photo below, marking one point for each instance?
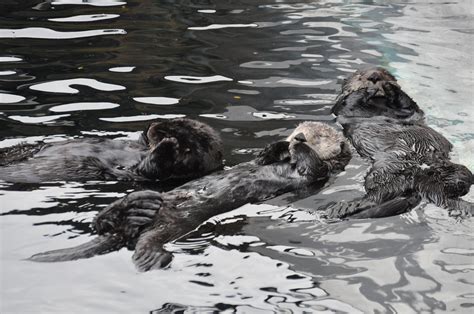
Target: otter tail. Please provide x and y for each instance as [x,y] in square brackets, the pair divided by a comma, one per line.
[100,245]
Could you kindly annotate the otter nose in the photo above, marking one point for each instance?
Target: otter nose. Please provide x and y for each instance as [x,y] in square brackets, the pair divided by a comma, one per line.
[300,137]
[375,77]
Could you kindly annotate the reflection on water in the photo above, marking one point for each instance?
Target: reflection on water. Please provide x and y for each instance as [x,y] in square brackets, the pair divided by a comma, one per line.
[253,70]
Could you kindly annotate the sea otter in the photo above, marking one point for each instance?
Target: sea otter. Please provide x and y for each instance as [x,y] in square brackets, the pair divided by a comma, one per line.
[410,160]
[146,220]
[171,149]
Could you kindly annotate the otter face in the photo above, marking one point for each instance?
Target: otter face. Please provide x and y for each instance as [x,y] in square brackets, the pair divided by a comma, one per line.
[186,148]
[375,92]
[326,141]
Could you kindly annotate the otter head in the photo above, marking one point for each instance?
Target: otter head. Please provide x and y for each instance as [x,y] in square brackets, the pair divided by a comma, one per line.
[186,148]
[375,92]
[444,180]
[325,140]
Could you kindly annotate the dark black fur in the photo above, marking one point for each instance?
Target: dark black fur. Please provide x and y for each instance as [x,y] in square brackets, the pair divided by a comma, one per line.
[146,220]
[171,149]
[410,160]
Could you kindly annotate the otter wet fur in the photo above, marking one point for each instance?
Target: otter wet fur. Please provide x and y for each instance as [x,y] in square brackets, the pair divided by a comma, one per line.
[410,161]
[171,149]
[146,220]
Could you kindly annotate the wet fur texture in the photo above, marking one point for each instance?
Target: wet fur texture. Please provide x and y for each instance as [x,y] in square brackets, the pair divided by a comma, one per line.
[410,160]
[171,149]
[146,220]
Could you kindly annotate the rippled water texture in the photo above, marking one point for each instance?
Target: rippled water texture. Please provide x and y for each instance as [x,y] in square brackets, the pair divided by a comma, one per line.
[253,70]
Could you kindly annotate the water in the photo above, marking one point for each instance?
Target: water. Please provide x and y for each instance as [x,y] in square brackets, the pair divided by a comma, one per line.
[253,70]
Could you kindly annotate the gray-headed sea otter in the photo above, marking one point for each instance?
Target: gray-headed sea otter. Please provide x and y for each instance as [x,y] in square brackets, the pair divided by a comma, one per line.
[410,160]
[171,149]
[146,220]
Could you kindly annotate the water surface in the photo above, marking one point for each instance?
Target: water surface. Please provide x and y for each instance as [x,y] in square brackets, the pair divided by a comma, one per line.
[253,70]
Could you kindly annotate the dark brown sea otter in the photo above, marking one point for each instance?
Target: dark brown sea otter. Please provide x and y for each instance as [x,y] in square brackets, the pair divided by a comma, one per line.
[146,220]
[171,149]
[410,160]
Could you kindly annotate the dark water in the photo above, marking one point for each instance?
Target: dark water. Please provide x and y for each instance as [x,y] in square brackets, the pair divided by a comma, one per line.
[253,70]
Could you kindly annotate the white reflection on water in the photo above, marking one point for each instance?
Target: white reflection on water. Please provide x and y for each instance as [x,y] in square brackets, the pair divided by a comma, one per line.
[122,69]
[165,101]
[277,81]
[10,59]
[85,18]
[7,72]
[10,98]
[46,33]
[64,86]
[41,119]
[196,79]
[219,26]
[97,3]
[33,139]
[84,106]
[247,113]
[208,11]
[143,117]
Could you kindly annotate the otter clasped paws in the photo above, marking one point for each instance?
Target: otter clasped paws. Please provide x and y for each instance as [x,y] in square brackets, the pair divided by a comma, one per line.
[131,213]
[273,153]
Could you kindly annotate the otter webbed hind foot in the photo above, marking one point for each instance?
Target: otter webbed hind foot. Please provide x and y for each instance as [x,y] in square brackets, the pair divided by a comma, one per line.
[147,259]
[149,252]
[170,224]
[97,246]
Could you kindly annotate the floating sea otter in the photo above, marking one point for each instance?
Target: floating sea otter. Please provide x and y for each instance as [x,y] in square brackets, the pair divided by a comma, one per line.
[146,220]
[171,149]
[410,160]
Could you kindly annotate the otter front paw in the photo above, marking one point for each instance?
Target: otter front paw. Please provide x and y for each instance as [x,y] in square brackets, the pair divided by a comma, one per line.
[273,153]
[307,161]
[159,164]
[168,147]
